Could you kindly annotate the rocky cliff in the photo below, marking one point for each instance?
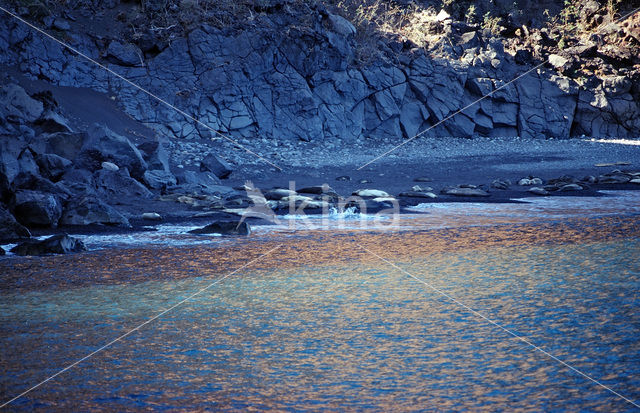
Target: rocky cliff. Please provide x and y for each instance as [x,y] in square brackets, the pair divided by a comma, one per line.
[278,80]
[293,71]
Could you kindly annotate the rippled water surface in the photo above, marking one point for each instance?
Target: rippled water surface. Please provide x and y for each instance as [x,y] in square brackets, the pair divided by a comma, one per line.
[323,324]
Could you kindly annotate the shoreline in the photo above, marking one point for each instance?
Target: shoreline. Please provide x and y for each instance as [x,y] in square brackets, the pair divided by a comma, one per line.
[304,248]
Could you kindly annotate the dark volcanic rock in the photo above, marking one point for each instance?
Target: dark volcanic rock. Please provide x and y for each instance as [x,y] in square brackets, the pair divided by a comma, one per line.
[65,145]
[57,244]
[33,208]
[104,145]
[225,227]
[90,210]
[124,54]
[159,179]
[119,186]
[38,183]
[215,165]
[52,166]
[10,229]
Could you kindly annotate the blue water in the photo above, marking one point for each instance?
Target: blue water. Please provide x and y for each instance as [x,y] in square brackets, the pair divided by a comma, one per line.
[333,338]
[295,332]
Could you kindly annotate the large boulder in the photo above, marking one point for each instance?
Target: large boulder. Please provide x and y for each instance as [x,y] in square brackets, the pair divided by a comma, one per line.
[225,228]
[33,208]
[217,166]
[37,183]
[114,185]
[155,154]
[18,105]
[15,157]
[158,179]
[89,210]
[53,166]
[104,145]
[65,145]
[124,54]
[57,244]
[10,229]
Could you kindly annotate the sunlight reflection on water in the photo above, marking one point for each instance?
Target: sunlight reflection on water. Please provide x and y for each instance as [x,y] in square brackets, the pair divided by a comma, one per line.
[322,325]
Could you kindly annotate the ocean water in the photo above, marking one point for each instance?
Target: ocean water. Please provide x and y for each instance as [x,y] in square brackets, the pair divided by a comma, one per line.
[376,318]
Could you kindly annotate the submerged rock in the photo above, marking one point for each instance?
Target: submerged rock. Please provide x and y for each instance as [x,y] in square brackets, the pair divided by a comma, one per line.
[225,228]
[57,244]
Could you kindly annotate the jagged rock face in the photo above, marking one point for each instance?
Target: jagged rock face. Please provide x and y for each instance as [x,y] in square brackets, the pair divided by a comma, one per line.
[304,85]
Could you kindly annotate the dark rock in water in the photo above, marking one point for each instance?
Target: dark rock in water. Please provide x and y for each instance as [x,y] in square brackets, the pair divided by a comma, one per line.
[52,166]
[57,244]
[2,251]
[33,208]
[124,54]
[224,227]
[10,229]
[343,178]
[90,210]
[105,145]
[118,184]
[215,165]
